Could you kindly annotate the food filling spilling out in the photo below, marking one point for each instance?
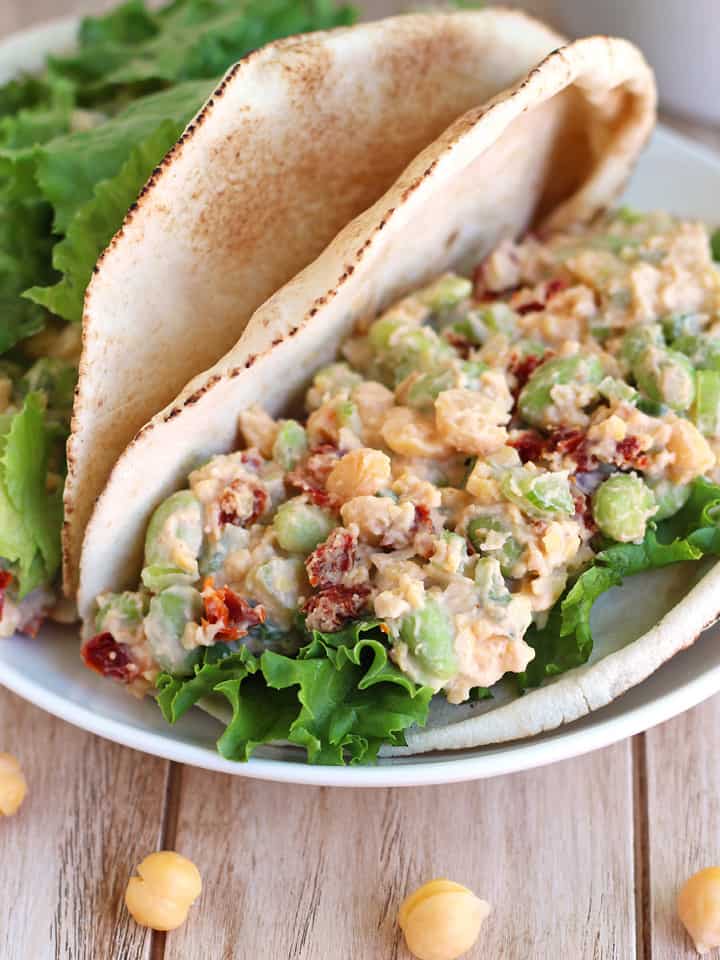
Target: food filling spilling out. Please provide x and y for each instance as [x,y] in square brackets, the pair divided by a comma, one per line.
[485,458]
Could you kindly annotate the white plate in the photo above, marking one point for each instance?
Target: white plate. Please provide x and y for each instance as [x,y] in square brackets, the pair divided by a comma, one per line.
[674,174]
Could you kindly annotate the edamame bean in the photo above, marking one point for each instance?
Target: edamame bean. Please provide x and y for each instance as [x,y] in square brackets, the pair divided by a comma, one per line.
[707,402]
[669,497]
[169,614]
[335,378]
[290,444]
[622,505]
[446,291]
[300,526]
[539,494]
[510,551]
[536,396]
[638,339]
[429,635]
[175,533]
[119,609]
[157,577]
[677,325]
[617,391]
[665,376]
[491,584]
[702,350]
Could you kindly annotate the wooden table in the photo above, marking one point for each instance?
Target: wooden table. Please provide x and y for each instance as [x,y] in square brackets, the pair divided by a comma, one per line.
[580,860]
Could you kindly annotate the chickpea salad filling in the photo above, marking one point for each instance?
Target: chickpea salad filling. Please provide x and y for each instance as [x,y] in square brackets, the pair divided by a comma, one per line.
[486,458]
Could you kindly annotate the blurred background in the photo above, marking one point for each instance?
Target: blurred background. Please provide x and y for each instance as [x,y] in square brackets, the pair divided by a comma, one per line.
[681,38]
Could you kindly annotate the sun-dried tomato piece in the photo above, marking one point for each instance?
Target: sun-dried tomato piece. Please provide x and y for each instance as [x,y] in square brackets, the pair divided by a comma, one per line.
[628,453]
[522,368]
[530,446]
[5,581]
[311,475]
[332,559]
[530,306]
[242,503]
[459,342]
[332,607]
[252,459]
[572,443]
[554,287]
[222,605]
[583,510]
[106,656]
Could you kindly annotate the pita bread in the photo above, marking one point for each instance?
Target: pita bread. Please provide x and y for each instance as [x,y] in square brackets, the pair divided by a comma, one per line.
[299,137]
[554,149]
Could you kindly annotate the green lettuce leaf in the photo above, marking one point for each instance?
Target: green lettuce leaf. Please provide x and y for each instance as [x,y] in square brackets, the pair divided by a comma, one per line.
[23,467]
[188,39]
[29,518]
[341,698]
[94,224]
[566,640]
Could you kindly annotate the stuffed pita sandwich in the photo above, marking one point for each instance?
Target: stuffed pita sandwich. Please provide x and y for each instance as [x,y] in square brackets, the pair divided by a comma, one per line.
[417,504]
[300,137]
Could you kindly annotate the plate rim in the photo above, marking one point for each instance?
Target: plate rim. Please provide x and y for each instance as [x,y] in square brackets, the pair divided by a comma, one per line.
[562,744]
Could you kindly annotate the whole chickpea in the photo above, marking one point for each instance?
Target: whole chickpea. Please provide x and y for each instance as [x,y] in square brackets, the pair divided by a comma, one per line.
[13,785]
[698,905]
[442,920]
[164,891]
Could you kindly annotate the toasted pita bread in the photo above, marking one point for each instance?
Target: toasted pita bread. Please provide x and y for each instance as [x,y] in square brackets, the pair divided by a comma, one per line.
[299,137]
[554,149]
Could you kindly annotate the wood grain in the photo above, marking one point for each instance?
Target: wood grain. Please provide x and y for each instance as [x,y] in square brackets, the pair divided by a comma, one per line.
[683,777]
[577,859]
[317,874]
[93,811]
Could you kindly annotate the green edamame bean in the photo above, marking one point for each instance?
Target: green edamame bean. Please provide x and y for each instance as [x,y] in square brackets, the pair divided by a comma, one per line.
[425,389]
[157,577]
[175,533]
[622,505]
[638,339]
[677,325]
[335,378]
[446,291]
[702,350]
[300,526]
[665,376]
[539,494]
[535,398]
[125,608]
[491,583]
[707,402]
[290,444]
[278,583]
[169,614]
[617,391]
[429,635]
[508,554]
[669,497]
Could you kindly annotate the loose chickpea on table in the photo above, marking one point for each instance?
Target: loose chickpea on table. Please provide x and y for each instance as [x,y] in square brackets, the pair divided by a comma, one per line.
[13,785]
[442,920]
[166,887]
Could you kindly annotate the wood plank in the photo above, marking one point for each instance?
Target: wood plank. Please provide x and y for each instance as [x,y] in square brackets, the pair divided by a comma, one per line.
[317,874]
[683,781]
[92,812]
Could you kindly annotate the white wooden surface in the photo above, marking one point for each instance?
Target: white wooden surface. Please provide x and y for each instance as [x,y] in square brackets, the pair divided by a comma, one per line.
[580,860]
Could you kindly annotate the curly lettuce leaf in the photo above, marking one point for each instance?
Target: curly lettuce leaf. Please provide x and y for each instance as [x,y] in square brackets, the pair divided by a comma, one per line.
[341,698]
[24,469]
[566,640]
[95,223]
[187,39]
[29,518]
